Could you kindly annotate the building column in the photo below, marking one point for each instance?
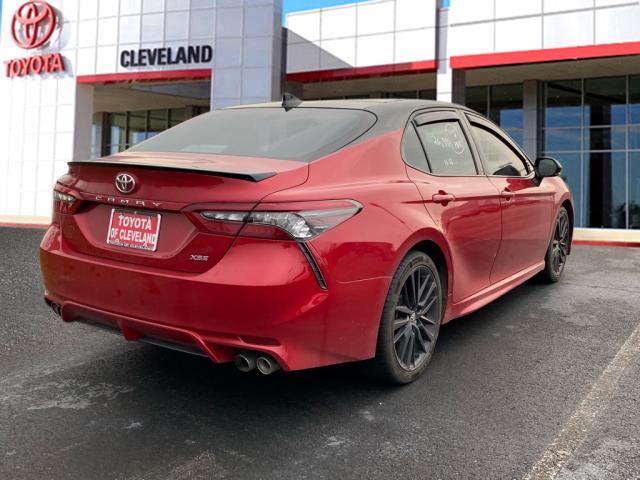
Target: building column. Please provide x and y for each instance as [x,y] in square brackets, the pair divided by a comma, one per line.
[83,123]
[248,53]
[450,84]
[530,117]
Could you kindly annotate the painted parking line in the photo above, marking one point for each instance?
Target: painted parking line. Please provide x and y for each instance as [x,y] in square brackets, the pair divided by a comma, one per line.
[578,426]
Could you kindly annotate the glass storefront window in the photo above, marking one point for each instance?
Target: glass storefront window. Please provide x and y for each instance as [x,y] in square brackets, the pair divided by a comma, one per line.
[634,189]
[605,101]
[634,138]
[572,175]
[563,105]
[500,103]
[477,98]
[586,123]
[409,94]
[137,127]
[176,116]
[605,175]
[158,122]
[429,94]
[118,126]
[517,135]
[608,138]
[634,99]
[562,139]
[199,110]
[505,106]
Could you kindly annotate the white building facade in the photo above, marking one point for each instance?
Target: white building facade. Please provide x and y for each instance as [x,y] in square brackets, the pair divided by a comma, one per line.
[563,78]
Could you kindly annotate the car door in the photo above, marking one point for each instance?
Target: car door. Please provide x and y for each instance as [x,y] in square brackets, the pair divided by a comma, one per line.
[526,203]
[456,193]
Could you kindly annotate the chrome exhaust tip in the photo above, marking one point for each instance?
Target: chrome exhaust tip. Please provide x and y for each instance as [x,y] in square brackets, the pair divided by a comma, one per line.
[245,361]
[267,365]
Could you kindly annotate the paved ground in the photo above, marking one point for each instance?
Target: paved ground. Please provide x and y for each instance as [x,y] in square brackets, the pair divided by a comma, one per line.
[548,376]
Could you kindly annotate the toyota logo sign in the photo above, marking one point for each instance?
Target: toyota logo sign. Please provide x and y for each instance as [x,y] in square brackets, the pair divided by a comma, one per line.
[125,183]
[33,24]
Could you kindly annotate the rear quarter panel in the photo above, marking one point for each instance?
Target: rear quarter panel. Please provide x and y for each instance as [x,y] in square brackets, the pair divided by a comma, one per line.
[393,219]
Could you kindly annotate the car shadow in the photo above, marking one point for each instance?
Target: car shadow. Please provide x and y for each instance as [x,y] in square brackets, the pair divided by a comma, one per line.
[225,383]
[145,407]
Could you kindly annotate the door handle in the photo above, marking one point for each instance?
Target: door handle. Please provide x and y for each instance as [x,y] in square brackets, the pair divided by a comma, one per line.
[443,197]
[507,194]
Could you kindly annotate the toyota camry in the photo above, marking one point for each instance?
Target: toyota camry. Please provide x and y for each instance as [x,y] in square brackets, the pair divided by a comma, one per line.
[298,235]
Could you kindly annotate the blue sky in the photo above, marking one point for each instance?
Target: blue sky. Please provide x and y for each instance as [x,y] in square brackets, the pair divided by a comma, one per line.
[298,5]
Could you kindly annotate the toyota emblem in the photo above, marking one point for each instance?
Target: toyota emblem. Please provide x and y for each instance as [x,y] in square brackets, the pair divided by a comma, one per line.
[125,183]
[33,24]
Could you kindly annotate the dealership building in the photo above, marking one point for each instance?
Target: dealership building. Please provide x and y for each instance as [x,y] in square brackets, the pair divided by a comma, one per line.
[86,78]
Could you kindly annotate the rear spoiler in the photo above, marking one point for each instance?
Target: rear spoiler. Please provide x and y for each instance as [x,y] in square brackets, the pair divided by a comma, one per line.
[252,177]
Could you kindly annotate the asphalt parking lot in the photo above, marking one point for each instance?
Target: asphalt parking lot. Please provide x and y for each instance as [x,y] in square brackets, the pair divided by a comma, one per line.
[543,381]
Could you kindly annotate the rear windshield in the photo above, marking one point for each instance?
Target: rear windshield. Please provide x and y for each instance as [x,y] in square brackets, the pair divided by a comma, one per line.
[303,134]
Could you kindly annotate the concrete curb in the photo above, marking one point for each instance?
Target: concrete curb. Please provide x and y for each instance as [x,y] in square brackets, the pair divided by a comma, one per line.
[19,221]
[606,237]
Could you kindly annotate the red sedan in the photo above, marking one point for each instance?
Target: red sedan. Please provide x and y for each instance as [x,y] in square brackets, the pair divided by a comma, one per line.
[300,235]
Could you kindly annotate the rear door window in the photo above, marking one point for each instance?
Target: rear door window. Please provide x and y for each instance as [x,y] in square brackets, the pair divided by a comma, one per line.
[412,150]
[447,148]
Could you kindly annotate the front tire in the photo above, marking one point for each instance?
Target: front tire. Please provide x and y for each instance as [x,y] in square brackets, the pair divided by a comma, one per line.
[558,250]
[410,321]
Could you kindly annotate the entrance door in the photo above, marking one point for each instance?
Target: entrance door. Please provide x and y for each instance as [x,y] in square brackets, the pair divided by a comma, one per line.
[527,204]
[457,195]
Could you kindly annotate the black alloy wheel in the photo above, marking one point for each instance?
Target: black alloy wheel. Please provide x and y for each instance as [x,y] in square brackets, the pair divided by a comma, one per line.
[560,244]
[415,326]
[559,248]
[410,321]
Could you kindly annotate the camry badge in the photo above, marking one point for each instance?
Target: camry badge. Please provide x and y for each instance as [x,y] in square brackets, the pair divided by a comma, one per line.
[125,183]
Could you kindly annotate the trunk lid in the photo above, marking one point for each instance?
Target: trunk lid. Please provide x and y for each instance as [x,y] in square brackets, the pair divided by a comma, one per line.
[174,186]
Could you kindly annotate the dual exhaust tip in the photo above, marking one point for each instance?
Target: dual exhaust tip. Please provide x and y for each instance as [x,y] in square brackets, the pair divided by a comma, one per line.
[244,361]
[56,308]
[247,361]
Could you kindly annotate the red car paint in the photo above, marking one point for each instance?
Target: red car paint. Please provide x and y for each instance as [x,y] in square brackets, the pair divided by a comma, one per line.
[262,294]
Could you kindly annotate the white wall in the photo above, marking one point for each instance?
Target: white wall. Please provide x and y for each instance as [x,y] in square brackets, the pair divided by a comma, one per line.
[46,119]
[248,52]
[378,32]
[492,26]
[37,128]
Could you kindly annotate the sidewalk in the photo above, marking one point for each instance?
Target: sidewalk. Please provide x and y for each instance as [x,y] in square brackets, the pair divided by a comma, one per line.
[22,221]
[606,236]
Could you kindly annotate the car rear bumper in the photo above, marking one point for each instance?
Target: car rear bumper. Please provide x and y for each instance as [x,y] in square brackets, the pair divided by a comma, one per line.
[262,296]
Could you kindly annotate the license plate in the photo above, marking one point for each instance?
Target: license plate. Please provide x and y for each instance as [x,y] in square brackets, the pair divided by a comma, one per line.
[133,229]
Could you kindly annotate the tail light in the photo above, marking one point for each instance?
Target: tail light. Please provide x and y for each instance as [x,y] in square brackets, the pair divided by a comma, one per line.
[300,221]
[64,202]
[63,199]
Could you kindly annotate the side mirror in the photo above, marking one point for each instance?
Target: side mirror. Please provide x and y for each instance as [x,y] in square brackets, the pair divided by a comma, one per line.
[547,167]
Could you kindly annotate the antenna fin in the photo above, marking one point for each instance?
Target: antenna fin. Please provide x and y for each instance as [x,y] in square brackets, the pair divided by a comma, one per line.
[290,101]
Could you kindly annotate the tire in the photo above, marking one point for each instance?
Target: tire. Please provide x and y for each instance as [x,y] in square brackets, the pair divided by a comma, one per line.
[556,257]
[412,326]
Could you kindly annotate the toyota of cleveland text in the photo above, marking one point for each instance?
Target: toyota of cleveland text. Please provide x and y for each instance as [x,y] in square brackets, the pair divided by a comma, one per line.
[301,234]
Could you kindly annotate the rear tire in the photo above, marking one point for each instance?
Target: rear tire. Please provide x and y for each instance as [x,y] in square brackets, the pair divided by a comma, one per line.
[410,321]
[558,250]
